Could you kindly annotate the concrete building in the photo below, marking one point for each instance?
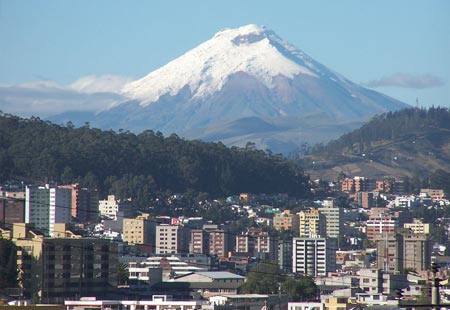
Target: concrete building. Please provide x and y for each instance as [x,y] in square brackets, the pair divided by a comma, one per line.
[139,230]
[45,206]
[218,242]
[418,227]
[109,207]
[84,204]
[333,220]
[12,211]
[256,242]
[314,256]
[286,221]
[199,241]
[416,250]
[212,283]
[285,255]
[371,280]
[389,252]
[380,223]
[56,269]
[171,239]
[434,194]
[311,223]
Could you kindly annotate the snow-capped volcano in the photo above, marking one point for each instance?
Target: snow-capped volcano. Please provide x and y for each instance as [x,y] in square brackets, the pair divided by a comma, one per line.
[251,49]
[246,73]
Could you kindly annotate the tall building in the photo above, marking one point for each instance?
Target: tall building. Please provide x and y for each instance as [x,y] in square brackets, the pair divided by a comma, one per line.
[171,239]
[199,242]
[45,206]
[416,250]
[84,204]
[139,230]
[12,211]
[333,220]
[109,207]
[380,221]
[256,242]
[311,223]
[286,221]
[314,256]
[285,255]
[218,242]
[56,269]
[389,252]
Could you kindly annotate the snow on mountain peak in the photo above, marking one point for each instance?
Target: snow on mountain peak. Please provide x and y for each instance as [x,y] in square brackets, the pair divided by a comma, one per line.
[251,49]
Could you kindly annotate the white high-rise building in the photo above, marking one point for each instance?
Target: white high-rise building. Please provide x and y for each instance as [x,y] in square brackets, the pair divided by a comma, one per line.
[45,206]
[314,256]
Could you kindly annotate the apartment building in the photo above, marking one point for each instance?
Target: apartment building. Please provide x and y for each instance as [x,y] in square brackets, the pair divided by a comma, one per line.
[12,211]
[139,230]
[256,242]
[45,206]
[84,204]
[311,223]
[56,269]
[314,256]
[333,220]
[418,227]
[286,220]
[171,239]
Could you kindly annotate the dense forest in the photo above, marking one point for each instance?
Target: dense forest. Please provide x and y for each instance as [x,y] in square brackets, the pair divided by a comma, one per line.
[39,151]
[388,126]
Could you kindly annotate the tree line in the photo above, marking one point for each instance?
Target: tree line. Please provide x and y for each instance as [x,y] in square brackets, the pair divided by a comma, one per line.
[136,165]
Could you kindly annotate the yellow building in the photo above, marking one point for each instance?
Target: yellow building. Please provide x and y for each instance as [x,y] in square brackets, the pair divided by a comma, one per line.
[418,227]
[336,303]
[139,230]
[311,223]
[286,221]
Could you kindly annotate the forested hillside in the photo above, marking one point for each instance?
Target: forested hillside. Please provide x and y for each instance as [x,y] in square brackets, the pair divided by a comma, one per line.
[403,143]
[138,164]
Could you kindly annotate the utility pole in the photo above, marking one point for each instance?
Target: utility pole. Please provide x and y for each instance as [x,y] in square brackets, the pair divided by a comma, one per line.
[435,296]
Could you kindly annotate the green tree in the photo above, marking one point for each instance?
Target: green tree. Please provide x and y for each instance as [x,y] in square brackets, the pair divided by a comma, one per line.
[301,289]
[263,279]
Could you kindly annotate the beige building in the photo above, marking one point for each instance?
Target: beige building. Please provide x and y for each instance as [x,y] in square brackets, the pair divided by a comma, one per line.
[333,220]
[418,227]
[109,207]
[171,239]
[311,223]
[286,221]
[139,230]
[336,303]
[255,241]
[55,269]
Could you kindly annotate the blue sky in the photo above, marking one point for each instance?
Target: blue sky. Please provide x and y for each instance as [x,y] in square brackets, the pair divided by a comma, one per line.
[401,48]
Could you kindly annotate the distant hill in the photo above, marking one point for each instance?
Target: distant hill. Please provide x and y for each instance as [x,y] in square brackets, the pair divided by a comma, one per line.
[409,142]
[138,165]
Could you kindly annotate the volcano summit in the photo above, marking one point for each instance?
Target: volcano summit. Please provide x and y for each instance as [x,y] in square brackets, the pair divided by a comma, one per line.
[246,84]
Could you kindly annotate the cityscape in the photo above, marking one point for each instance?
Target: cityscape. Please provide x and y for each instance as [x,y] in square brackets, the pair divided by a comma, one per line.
[251,155]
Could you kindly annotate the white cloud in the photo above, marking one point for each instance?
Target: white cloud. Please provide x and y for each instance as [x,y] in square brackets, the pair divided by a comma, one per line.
[46,98]
[407,80]
[100,84]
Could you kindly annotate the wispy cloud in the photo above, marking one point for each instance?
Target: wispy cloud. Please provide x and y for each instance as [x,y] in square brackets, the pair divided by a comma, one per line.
[100,84]
[407,80]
